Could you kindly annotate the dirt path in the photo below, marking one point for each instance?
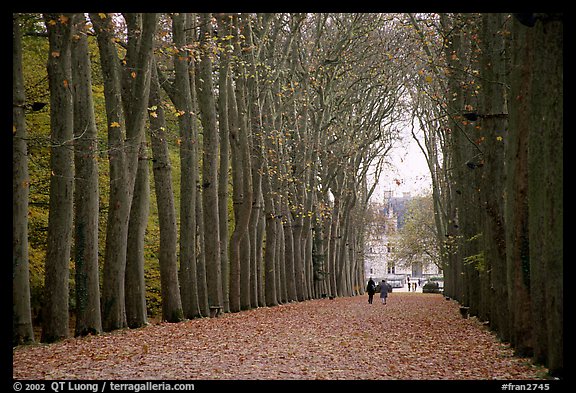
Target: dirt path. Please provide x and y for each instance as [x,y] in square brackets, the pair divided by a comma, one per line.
[414,336]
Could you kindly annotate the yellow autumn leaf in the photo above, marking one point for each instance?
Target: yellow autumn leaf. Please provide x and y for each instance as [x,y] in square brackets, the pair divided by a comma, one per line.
[114,124]
[102,15]
[499,138]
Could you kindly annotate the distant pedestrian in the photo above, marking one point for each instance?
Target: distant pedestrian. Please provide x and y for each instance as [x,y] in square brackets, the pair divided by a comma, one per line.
[383,291]
[371,289]
[414,286]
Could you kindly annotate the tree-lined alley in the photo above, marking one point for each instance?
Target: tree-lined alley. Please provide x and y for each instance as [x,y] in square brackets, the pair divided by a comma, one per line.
[263,134]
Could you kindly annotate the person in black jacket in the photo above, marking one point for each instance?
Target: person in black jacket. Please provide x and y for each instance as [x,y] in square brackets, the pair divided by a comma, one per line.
[371,289]
[384,291]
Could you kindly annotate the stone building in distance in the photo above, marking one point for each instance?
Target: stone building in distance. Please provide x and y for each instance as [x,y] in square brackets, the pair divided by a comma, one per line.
[379,262]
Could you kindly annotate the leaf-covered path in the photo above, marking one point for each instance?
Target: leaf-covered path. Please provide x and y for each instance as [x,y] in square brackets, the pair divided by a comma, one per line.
[414,336]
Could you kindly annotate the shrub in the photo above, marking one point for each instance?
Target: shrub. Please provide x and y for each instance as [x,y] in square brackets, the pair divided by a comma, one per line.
[431,287]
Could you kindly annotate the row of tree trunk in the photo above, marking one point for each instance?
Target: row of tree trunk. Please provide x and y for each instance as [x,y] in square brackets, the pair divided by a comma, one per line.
[266,121]
[495,150]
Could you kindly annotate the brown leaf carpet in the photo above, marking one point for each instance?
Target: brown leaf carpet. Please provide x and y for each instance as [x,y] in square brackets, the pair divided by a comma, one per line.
[414,336]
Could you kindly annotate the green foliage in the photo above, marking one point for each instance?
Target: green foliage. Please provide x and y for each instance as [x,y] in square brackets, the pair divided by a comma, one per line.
[418,240]
[477,261]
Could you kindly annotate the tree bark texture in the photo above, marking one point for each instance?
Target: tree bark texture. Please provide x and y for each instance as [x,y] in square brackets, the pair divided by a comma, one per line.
[517,231]
[135,286]
[22,330]
[182,94]
[56,316]
[86,198]
[545,193]
[123,155]
[206,103]
[162,169]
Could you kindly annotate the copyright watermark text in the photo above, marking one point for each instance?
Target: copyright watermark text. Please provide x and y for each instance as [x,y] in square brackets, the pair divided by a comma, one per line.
[99,387]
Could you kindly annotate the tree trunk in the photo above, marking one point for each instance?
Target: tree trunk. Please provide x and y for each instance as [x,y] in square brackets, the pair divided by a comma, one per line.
[88,319]
[182,94]
[242,186]
[241,246]
[123,156]
[517,234]
[289,254]
[113,312]
[545,193]
[55,319]
[494,123]
[22,332]
[201,260]
[463,184]
[135,295]
[135,96]
[162,169]
[223,175]
[207,108]
[270,214]
[333,241]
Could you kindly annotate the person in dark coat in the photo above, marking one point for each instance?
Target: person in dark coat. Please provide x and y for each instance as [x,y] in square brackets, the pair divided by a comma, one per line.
[383,291]
[371,289]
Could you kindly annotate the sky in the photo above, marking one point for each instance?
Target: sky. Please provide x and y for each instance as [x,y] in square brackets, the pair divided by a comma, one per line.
[408,172]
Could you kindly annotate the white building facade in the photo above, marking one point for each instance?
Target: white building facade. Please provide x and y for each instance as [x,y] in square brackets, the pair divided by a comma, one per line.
[379,261]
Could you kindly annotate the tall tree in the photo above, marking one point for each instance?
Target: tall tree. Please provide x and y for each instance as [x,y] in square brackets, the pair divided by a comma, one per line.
[113,311]
[22,331]
[182,92]
[250,297]
[242,191]
[545,189]
[517,231]
[224,25]
[162,169]
[494,122]
[55,317]
[135,289]
[88,319]
[123,155]
[206,102]
[134,284]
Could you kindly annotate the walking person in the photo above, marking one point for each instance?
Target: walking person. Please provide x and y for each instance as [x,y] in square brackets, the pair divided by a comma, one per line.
[371,289]
[383,291]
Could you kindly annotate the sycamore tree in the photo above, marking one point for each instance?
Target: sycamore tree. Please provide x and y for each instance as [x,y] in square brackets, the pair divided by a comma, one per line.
[417,240]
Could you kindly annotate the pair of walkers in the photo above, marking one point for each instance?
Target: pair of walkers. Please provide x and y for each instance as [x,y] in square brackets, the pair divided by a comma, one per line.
[371,289]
